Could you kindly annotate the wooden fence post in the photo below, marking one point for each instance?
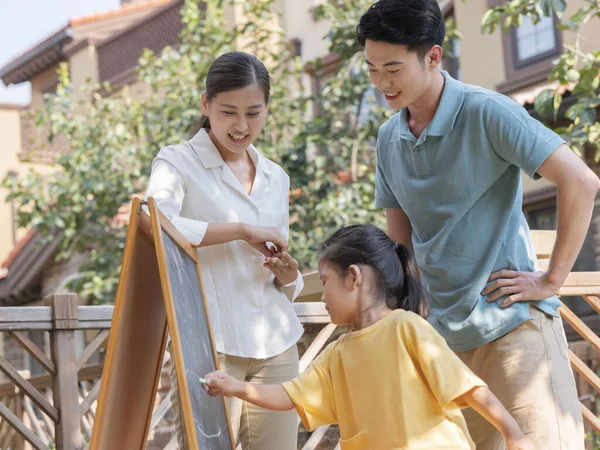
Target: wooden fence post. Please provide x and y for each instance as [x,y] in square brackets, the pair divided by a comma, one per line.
[65,383]
[18,440]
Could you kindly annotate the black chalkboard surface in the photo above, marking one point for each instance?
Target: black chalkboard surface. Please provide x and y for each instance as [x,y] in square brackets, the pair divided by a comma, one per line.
[205,418]
[209,416]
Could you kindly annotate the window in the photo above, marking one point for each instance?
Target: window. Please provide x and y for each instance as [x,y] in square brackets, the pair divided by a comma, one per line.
[533,42]
[528,53]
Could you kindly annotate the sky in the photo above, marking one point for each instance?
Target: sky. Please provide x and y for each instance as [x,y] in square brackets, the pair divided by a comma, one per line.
[26,22]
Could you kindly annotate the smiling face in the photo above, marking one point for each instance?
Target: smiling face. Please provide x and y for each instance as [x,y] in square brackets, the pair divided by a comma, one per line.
[236,117]
[400,74]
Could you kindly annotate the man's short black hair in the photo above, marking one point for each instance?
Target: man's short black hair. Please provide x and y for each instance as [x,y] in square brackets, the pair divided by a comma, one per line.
[418,24]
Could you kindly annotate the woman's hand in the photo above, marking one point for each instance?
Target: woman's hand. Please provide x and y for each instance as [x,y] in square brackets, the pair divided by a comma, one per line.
[261,237]
[284,267]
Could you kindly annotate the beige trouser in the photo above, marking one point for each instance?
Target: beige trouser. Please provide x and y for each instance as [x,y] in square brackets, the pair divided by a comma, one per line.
[255,428]
[528,370]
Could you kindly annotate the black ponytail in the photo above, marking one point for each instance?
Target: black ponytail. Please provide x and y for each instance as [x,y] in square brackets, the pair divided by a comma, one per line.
[410,297]
[394,264]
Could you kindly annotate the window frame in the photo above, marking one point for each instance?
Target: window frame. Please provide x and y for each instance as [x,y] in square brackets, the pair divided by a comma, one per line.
[520,64]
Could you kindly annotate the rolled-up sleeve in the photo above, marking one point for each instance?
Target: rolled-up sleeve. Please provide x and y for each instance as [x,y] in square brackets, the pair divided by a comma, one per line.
[292,290]
[167,187]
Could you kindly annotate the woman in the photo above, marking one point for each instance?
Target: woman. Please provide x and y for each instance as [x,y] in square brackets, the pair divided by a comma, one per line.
[232,204]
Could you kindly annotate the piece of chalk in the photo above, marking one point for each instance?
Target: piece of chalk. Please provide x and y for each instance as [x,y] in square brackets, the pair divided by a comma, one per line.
[202,380]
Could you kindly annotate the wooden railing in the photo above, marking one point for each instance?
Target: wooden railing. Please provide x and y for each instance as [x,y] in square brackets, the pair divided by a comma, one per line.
[58,408]
[587,286]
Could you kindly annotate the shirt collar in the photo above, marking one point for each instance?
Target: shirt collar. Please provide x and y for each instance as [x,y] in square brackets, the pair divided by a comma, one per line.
[445,116]
[211,157]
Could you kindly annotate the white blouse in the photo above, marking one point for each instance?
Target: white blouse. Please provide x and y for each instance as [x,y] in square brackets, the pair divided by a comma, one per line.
[192,186]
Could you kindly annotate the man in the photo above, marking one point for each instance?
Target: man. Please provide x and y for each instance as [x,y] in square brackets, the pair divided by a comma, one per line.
[449,177]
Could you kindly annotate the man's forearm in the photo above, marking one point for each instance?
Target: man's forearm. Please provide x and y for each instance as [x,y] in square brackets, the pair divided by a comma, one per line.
[575,203]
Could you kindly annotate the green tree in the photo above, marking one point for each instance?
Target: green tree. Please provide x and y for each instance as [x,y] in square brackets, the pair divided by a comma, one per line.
[575,69]
[113,138]
[334,170]
[330,157]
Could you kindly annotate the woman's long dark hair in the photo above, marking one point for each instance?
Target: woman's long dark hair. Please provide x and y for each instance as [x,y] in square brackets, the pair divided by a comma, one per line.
[396,269]
[232,71]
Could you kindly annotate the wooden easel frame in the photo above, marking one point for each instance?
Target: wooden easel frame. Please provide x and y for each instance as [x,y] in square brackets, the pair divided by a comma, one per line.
[120,421]
[160,222]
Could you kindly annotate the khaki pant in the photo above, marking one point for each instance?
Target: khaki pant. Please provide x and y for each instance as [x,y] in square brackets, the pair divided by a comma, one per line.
[254,428]
[528,370]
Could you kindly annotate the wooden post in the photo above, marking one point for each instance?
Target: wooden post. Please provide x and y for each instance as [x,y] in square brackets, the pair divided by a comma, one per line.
[23,444]
[18,440]
[65,385]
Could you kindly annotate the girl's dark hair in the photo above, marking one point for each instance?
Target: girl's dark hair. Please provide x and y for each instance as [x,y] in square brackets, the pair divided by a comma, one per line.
[394,265]
[418,24]
[232,71]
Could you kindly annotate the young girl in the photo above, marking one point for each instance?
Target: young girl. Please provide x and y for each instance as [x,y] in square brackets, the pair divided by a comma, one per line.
[231,203]
[392,382]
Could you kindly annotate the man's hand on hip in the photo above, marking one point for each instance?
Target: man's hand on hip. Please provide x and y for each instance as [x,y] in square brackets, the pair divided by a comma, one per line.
[518,286]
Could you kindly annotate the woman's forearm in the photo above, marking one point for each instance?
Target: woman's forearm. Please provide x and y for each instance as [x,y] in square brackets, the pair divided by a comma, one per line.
[221,233]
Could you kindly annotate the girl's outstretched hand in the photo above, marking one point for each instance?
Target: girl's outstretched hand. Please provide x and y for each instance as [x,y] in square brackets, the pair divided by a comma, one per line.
[220,384]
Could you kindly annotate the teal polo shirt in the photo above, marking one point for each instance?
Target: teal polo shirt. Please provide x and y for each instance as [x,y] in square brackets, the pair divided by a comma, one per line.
[459,183]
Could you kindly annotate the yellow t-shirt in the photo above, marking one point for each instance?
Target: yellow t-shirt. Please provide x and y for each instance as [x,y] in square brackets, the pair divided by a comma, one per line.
[391,386]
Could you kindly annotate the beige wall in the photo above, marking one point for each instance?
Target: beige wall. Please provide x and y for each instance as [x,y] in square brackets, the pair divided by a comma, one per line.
[83,68]
[11,146]
[481,56]
[38,84]
[298,23]
[10,130]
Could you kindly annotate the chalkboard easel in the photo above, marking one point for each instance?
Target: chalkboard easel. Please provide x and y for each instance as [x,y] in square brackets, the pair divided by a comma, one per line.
[160,288]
